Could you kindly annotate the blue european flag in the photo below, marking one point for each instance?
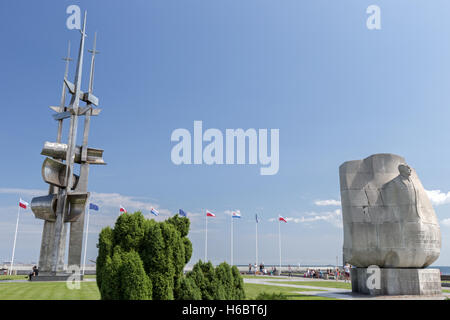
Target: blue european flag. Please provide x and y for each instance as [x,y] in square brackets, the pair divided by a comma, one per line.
[93,206]
[182,213]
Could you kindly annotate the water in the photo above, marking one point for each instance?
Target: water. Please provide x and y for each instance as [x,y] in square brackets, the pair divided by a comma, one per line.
[444,269]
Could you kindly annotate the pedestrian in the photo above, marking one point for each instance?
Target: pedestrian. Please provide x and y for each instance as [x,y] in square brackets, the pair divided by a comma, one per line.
[347,271]
[34,273]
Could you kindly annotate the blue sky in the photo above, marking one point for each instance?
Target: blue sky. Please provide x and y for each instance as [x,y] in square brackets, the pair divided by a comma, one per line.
[335,90]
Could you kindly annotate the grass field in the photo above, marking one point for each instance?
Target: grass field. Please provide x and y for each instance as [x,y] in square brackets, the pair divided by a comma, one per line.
[264,277]
[47,291]
[323,284]
[89,291]
[252,290]
[3,277]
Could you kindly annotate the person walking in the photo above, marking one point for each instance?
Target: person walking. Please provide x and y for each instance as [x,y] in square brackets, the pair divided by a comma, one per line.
[347,272]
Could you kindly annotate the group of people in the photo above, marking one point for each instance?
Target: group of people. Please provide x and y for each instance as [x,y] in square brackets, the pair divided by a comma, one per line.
[261,268]
[329,272]
[310,273]
[315,273]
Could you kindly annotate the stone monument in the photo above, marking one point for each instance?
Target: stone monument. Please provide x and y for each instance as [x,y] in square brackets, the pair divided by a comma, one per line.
[389,226]
[64,206]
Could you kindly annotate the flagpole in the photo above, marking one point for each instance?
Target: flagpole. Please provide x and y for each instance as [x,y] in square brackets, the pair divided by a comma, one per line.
[86,239]
[15,238]
[231,239]
[279,240]
[256,243]
[206,238]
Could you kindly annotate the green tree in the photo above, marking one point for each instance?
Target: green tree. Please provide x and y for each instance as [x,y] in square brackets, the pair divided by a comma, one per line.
[129,230]
[143,259]
[181,224]
[134,282]
[110,288]
[238,284]
[104,246]
[188,290]
[226,282]
[187,249]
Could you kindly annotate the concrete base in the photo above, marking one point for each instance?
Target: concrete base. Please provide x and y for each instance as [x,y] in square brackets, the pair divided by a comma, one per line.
[396,282]
[50,277]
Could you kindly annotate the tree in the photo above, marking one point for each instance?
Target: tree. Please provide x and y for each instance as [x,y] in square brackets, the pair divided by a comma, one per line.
[238,284]
[188,290]
[226,282]
[110,288]
[134,282]
[129,230]
[104,246]
[143,259]
[187,249]
[220,283]
[158,247]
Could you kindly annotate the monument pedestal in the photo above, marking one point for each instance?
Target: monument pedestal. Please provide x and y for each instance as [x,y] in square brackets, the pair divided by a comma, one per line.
[59,276]
[397,281]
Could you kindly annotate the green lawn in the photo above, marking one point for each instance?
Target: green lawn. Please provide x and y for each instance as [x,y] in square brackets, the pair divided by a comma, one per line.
[252,290]
[4,277]
[323,284]
[258,277]
[47,291]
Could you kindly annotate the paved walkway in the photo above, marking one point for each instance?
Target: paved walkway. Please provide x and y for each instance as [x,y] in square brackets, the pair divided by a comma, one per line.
[344,294]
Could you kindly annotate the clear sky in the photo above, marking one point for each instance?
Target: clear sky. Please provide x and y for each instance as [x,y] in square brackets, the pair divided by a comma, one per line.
[312,69]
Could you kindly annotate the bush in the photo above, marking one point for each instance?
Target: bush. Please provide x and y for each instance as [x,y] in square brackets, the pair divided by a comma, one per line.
[143,259]
[270,296]
[148,258]
[188,290]
[134,282]
[220,283]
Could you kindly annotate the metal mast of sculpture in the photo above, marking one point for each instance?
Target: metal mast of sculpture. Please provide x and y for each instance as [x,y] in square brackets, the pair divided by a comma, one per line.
[68,193]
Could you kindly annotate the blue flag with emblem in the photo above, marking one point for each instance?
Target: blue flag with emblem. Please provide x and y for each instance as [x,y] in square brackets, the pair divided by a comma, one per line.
[182,213]
[93,206]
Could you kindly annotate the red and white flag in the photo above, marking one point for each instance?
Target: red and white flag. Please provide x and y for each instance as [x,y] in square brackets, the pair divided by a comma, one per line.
[23,204]
[122,209]
[280,218]
[210,214]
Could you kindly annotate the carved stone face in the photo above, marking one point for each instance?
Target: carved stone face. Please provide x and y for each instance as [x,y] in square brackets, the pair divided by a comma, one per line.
[405,170]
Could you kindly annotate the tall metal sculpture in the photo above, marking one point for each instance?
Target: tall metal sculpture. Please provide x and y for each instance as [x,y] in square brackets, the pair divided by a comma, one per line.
[65,204]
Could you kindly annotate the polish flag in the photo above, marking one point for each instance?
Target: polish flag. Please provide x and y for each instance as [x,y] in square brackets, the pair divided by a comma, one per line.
[23,204]
[210,214]
[280,218]
[122,209]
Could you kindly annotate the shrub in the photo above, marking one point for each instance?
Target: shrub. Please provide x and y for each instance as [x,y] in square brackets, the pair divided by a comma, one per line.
[148,258]
[270,296]
[220,283]
[188,290]
[134,282]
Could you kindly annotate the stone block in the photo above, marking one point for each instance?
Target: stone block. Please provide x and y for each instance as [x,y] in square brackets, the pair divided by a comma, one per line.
[397,281]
